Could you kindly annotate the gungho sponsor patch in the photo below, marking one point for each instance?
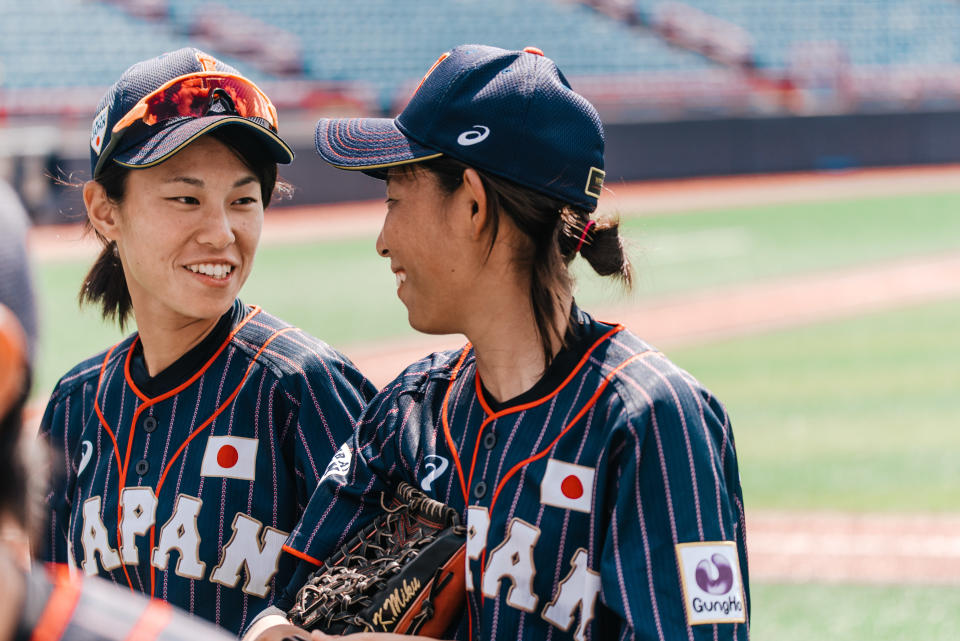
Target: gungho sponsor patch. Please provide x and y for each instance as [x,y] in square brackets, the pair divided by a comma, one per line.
[712,583]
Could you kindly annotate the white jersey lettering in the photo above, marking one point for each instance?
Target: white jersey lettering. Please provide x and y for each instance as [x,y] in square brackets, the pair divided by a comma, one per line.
[513,560]
[95,539]
[260,555]
[139,512]
[579,589]
[478,522]
[180,533]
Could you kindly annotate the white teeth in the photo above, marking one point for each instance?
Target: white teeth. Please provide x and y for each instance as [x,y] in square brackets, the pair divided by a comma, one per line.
[401,276]
[218,270]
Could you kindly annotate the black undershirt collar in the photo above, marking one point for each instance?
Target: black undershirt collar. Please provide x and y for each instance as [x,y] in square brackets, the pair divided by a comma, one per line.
[580,337]
[180,371]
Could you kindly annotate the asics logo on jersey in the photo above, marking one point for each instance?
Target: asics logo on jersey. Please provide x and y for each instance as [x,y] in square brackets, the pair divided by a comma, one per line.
[437,466]
[715,576]
[472,136]
[85,457]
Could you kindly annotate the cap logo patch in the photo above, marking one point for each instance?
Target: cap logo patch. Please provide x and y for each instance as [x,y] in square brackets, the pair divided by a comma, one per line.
[595,182]
[712,584]
[99,130]
[479,133]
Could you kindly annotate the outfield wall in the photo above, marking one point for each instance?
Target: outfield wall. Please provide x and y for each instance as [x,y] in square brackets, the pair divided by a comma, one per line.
[669,150]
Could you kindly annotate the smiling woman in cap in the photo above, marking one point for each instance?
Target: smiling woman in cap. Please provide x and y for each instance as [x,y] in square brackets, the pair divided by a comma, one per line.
[190,448]
[598,481]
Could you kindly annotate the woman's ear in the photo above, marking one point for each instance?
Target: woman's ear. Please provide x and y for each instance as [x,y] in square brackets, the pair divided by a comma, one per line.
[477,195]
[101,211]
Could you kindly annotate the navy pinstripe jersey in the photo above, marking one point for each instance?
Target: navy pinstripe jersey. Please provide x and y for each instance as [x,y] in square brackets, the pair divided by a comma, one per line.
[189,494]
[607,506]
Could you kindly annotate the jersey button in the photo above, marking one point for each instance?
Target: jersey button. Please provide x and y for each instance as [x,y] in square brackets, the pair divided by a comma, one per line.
[479,490]
[143,466]
[490,440]
[149,424]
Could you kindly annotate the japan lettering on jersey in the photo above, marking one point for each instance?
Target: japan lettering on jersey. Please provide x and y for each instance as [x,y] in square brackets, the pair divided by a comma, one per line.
[189,496]
[609,507]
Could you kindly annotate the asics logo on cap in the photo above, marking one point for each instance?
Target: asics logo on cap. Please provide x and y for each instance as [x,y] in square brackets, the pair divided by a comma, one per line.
[473,136]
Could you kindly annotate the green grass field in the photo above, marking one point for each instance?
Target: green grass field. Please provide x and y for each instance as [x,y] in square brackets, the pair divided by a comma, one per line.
[858,414]
[783,612]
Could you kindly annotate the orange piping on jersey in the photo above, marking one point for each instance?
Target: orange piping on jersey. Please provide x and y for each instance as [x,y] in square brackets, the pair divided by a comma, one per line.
[492,416]
[301,555]
[149,402]
[446,425]
[254,310]
[96,407]
[202,427]
[155,617]
[116,448]
[583,410]
[540,401]
[59,609]
[123,465]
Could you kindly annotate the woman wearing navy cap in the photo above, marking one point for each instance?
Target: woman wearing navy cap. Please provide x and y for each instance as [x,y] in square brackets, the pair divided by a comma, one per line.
[190,448]
[598,481]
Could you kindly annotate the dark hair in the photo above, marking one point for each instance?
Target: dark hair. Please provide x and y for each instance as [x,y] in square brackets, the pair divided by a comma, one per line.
[554,229]
[105,284]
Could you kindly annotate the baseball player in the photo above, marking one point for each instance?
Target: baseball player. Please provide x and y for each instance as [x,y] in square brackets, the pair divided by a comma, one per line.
[190,448]
[597,479]
[48,603]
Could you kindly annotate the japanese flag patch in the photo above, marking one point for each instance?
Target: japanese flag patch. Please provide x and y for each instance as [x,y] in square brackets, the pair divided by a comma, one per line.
[98,131]
[712,583]
[567,486]
[233,457]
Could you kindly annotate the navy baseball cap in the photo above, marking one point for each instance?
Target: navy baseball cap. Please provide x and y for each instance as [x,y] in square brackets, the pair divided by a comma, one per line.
[163,104]
[510,113]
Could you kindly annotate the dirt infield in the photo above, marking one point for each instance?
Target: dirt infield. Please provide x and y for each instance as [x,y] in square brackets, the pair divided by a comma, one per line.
[854,548]
[783,546]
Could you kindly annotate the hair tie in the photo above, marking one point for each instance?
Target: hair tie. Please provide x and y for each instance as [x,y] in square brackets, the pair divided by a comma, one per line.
[583,236]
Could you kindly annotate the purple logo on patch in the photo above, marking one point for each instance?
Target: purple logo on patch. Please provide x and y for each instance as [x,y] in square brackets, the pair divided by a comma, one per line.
[715,577]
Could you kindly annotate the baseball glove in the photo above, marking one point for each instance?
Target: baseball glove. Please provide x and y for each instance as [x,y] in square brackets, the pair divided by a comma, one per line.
[403,573]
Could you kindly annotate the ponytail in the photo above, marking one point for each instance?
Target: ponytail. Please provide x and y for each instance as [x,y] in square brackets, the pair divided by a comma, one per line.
[105,284]
[598,241]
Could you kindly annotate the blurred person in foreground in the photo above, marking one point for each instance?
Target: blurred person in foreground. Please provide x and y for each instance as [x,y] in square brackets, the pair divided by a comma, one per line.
[49,603]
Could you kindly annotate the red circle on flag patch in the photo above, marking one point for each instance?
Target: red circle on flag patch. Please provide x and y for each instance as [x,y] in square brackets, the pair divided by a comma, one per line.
[571,487]
[227,456]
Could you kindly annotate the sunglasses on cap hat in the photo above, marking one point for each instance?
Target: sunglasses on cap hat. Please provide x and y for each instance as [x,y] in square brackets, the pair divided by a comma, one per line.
[193,96]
